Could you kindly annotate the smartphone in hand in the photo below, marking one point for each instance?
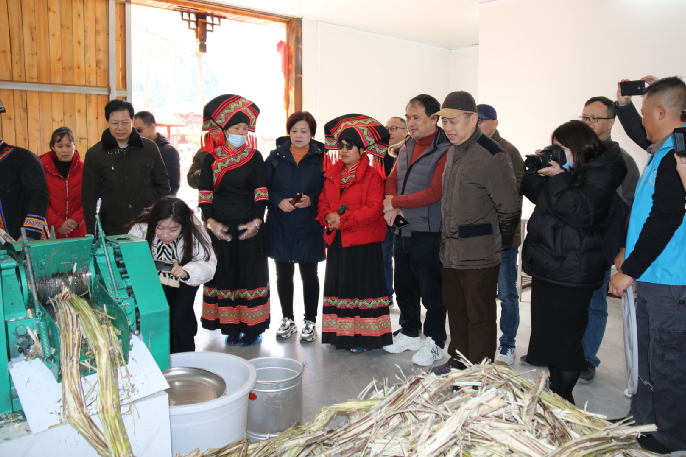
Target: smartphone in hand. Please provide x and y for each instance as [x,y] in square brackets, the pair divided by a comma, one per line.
[400,222]
[164,265]
[632,87]
[297,199]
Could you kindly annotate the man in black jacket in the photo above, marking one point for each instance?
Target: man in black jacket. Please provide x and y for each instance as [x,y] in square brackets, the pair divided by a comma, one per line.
[145,125]
[124,170]
[23,192]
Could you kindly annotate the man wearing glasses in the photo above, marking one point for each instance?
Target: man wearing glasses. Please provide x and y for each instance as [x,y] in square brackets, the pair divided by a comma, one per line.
[145,125]
[414,189]
[599,114]
[397,127]
[507,277]
[124,170]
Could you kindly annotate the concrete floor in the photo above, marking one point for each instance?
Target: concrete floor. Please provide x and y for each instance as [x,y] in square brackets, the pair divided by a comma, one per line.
[333,376]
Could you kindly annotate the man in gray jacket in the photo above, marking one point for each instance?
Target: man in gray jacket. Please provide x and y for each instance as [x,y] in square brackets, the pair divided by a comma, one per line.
[480,208]
[415,187]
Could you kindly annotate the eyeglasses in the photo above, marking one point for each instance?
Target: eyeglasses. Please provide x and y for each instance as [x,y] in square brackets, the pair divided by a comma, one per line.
[393,128]
[593,119]
[348,146]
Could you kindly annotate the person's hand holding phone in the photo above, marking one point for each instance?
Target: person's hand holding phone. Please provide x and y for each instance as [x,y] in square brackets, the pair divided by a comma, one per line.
[622,100]
[387,204]
[390,216]
[650,79]
[304,202]
[286,206]
[178,271]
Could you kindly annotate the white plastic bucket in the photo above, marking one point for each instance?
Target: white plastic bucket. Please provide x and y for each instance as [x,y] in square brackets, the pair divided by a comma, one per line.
[276,400]
[215,423]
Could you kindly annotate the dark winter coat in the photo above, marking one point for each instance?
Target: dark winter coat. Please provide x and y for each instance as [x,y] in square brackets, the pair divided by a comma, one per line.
[23,192]
[295,236]
[170,157]
[65,195]
[564,244]
[127,180]
[363,221]
[193,175]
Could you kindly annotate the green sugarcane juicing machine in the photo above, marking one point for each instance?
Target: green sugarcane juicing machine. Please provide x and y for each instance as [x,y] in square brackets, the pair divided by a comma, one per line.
[116,274]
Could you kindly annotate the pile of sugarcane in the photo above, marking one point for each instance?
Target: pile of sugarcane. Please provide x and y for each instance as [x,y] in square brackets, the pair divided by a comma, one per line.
[77,321]
[485,410]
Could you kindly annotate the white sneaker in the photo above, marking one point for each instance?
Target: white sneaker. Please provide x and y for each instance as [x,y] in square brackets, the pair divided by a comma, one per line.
[286,329]
[403,343]
[309,332]
[506,356]
[428,353]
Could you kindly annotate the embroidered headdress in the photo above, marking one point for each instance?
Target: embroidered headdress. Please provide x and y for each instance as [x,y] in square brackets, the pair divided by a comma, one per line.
[363,131]
[221,113]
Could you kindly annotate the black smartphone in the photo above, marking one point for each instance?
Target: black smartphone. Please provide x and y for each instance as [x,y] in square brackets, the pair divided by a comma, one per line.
[297,199]
[632,87]
[400,222]
[164,265]
[680,141]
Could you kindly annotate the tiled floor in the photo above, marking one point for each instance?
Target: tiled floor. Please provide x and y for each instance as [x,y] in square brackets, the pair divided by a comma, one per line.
[333,376]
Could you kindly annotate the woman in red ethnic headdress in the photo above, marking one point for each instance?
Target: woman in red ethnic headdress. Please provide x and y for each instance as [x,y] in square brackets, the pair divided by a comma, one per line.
[233,198]
[355,314]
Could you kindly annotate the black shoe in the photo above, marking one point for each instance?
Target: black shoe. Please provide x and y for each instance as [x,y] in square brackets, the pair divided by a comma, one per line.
[524,360]
[650,443]
[586,376]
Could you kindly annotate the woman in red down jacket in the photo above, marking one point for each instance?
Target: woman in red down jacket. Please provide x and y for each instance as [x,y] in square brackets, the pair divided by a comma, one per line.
[355,314]
[63,170]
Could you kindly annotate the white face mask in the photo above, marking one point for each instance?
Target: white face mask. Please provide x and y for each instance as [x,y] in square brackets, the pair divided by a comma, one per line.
[236,140]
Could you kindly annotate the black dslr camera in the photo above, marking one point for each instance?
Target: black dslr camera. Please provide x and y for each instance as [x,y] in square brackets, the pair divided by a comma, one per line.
[535,162]
[680,141]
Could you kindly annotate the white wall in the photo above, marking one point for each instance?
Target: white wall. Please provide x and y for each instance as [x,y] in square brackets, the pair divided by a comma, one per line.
[464,71]
[347,70]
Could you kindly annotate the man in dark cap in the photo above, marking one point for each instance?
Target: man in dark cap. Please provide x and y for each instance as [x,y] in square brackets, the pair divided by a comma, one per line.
[24,195]
[480,208]
[507,278]
[124,170]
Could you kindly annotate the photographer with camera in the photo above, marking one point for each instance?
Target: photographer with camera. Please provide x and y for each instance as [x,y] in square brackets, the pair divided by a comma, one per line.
[573,184]
[655,259]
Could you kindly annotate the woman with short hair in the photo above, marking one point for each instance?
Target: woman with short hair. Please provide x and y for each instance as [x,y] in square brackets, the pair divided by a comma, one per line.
[294,182]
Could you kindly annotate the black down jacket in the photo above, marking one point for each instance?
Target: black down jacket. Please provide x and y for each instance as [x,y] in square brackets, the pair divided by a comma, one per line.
[564,244]
[294,237]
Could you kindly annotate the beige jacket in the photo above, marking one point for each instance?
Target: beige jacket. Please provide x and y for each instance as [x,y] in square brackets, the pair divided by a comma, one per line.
[480,206]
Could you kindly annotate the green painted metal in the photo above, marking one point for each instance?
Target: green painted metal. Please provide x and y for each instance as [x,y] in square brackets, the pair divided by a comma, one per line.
[127,289]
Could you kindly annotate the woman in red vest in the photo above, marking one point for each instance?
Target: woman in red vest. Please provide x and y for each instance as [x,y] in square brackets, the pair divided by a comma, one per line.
[63,170]
[355,314]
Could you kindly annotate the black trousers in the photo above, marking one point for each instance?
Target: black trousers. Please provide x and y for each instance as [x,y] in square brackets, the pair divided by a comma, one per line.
[284,287]
[182,320]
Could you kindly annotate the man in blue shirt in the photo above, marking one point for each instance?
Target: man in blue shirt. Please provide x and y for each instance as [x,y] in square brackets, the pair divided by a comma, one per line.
[655,259]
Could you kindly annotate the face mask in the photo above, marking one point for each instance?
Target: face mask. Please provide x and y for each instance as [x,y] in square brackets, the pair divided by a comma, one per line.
[568,166]
[237,140]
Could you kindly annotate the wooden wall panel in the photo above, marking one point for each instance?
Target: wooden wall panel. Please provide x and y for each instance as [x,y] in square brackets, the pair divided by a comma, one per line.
[55,34]
[5,51]
[66,21]
[92,120]
[36,143]
[57,110]
[120,28]
[79,49]
[21,130]
[28,17]
[7,118]
[16,39]
[45,118]
[90,43]
[42,41]
[102,45]
[80,126]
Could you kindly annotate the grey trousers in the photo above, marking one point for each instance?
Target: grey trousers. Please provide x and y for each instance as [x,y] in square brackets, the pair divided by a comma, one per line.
[661,395]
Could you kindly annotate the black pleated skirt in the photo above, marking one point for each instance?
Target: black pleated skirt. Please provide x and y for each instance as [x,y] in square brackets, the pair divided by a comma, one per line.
[355,312]
[237,299]
[559,316]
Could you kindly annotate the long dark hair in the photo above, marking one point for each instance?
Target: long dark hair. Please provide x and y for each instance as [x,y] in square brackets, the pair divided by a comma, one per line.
[179,212]
[582,141]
